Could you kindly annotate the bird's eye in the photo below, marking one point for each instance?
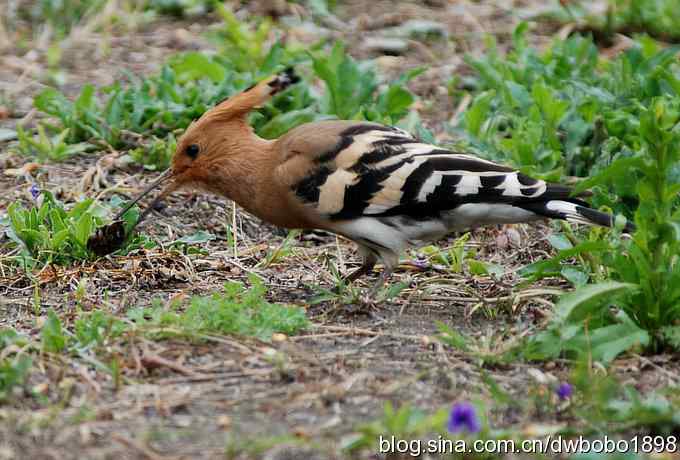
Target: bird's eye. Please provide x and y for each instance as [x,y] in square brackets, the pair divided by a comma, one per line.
[192,150]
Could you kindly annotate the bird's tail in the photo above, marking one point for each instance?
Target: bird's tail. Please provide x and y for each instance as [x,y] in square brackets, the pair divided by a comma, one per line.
[574,210]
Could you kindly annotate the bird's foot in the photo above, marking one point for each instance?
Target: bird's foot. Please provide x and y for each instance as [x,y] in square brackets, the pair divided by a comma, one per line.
[375,289]
[364,305]
[379,284]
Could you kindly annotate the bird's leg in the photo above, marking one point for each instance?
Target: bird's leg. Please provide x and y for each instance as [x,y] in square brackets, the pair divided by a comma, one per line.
[366,267]
[384,276]
[390,260]
[368,262]
[369,259]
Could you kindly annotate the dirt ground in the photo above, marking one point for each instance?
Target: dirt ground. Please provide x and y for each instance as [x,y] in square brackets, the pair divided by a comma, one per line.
[302,396]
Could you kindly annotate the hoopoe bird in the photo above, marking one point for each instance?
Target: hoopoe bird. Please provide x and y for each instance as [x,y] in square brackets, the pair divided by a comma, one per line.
[373,184]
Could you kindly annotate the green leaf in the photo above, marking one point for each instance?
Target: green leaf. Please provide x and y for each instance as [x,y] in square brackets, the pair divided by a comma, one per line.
[193,66]
[199,237]
[559,242]
[576,277]
[283,123]
[478,113]
[671,335]
[53,338]
[395,102]
[576,306]
[392,291]
[85,100]
[452,337]
[83,229]
[606,343]
[478,267]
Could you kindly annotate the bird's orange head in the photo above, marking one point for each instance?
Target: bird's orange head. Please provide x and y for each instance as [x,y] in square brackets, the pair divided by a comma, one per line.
[218,152]
[221,140]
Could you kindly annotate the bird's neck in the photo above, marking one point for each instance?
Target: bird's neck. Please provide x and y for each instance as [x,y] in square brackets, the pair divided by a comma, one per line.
[243,171]
[248,179]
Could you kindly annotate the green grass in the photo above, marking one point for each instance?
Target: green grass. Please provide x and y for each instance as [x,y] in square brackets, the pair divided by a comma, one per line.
[191,83]
[598,405]
[351,89]
[14,363]
[50,233]
[62,16]
[156,105]
[645,269]
[658,18]
[566,112]
[235,311]
[97,337]
[46,148]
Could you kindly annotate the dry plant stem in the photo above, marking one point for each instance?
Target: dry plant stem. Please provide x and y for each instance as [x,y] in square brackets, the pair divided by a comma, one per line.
[360,331]
[134,445]
[151,359]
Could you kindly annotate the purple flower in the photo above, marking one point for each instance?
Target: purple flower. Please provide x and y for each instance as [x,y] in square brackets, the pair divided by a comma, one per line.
[564,391]
[463,418]
[35,191]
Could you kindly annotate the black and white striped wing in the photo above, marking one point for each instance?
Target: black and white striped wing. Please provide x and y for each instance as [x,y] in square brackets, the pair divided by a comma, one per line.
[383,172]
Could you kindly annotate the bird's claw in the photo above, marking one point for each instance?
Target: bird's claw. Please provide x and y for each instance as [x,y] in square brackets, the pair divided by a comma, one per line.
[367,300]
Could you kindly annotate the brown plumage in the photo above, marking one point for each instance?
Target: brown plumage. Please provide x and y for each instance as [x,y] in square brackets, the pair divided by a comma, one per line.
[374,184]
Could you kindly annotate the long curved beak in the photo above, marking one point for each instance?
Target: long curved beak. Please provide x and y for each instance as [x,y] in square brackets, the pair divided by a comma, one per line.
[161,179]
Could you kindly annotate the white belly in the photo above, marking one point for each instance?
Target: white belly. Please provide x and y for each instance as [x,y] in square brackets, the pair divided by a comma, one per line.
[398,232]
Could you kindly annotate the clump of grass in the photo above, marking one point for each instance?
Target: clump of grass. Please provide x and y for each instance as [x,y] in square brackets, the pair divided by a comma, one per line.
[46,148]
[157,155]
[657,18]
[91,331]
[97,329]
[245,45]
[155,105]
[236,310]
[81,119]
[643,273]
[190,83]
[14,365]
[60,15]
[566,112]
[187,86]
[49,233]
[352,90]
